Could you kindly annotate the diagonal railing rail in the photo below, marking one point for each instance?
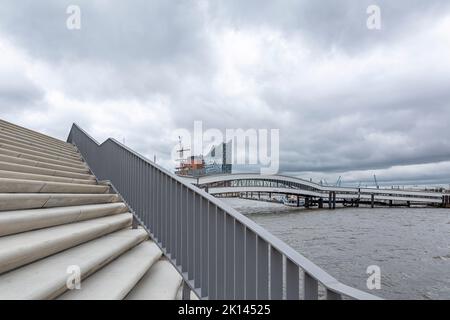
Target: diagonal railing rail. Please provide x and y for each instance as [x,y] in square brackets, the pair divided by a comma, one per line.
[220,253]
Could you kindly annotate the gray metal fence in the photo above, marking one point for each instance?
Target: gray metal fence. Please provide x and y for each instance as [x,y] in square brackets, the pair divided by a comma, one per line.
[220,253]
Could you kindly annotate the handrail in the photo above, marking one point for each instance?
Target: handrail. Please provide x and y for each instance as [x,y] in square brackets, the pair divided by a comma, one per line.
[219,252]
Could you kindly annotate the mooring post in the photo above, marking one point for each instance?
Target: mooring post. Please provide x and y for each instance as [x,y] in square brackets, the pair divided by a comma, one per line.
[306,202]
[372,200]
[334,200]
[320,203]
[408,203]
[298,201]
[330,196]
[390,203]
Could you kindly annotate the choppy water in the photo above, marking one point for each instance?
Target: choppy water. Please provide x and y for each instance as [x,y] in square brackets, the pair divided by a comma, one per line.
[410,245]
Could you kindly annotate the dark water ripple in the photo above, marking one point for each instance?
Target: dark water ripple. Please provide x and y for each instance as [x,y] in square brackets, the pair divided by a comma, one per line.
[410,245]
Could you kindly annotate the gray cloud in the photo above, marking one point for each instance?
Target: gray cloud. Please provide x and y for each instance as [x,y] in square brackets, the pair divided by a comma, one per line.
[18,93]
[345,98]
[327,24]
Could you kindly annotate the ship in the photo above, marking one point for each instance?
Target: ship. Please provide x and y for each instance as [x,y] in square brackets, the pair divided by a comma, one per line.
[292,202]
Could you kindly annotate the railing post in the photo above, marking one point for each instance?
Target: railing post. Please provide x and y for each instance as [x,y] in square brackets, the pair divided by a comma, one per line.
[239,278]
[186,292]
[229,258]
[263,270]
[331,295]
[135,222]
[276,274]
[310,287]
[292,280]
[250,265]
[204,250]
[221,254]
[212,265]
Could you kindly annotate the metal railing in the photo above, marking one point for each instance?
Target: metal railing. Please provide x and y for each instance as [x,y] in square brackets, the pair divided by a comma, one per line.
[220,253]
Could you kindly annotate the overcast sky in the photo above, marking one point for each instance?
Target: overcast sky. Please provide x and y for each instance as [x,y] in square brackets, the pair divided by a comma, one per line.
[348,100]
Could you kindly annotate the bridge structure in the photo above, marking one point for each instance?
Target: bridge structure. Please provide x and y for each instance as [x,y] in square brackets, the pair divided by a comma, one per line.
[251,185]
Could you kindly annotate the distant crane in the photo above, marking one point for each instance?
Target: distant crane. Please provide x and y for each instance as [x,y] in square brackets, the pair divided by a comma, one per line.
[376,182]
[338,182]
[182,150]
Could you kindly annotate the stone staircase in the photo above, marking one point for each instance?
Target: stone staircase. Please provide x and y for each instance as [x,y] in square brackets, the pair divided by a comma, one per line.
[54,215]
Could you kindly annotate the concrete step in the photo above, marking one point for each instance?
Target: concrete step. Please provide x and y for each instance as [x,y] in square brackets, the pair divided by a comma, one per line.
[8,166]
[23,201]
[39,177]
[23,248]
[47,278]
[35,139]
[24,131]
[39,164]
[32,186]
[116,280]
[161,282]
[15,134]
[9,143]
[12,222]
[53,160]
[12,139]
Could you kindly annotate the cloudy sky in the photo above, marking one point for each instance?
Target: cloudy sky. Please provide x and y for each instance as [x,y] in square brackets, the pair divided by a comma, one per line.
[348,100]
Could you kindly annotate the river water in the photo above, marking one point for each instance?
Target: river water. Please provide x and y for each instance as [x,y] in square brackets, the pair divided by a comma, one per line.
[410,245]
